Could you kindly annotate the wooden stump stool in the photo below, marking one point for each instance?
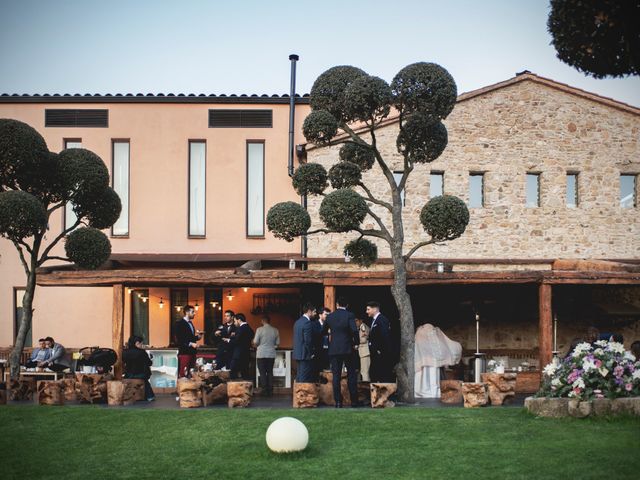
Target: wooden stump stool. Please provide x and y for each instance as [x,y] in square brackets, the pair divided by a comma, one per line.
[137,386]
[239,394]
[50,393]
[364,393]
[69,389]
[22,389]
[450,391]
[305,395]
[380,393]
[474,394]
[190,393]
[502,386]
[214,394]
[325,389]
[120,392]
[92,387]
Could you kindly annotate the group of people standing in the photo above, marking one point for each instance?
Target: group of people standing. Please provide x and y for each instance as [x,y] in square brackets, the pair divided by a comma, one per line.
[350,343]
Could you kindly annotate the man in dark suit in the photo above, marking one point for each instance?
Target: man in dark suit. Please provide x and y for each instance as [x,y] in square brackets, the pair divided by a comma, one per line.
[381,369]
[303,344]
[186,338]
[223,354]
[342,350]
[321,343]
[240,342]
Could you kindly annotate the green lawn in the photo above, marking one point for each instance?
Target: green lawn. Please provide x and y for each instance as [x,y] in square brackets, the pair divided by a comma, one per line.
[413,443]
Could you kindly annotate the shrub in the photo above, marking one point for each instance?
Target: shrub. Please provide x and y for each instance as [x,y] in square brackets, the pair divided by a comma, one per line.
[362,156]
[310,178]
[22,148]
[424,87]
[320,127]
[344,175]
[343,210]
[422,138]
[362,252]
[87,247]
[288,220]
[367,98]
[21,215]
[444,217]
[329,90]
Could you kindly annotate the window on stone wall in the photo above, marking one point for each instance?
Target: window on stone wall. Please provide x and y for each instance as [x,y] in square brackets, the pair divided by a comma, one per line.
[628,191]
[572,189]
[533,190]
[398,177]
[436,184]
[476,190]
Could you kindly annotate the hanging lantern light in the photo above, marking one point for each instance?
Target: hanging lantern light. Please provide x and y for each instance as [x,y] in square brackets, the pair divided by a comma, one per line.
[161,304]
[245,289]
[229,296]
[196,306]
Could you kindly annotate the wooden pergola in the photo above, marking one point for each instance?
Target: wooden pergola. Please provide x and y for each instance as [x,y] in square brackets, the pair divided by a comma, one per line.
[121,278]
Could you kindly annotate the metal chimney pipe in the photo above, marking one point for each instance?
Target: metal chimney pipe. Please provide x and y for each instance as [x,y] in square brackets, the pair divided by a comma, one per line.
[292,110]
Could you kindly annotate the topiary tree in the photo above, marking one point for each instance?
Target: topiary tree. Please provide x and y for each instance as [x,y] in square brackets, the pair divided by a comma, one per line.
[598,37]
[423,94]
[34,183]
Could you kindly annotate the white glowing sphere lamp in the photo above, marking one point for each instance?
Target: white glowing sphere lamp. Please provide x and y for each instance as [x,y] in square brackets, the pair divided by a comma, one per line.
[287,434]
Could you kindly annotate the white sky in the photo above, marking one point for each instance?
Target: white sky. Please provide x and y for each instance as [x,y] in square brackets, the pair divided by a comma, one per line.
[198,46]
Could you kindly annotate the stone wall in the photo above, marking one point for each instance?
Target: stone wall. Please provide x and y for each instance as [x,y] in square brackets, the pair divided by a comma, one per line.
[507,132]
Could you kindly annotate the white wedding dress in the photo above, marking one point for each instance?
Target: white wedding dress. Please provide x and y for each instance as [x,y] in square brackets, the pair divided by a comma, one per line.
[433,349]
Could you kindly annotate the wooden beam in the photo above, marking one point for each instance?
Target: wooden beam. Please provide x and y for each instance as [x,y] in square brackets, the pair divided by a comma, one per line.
[545,324]
[117,327]
[330,297]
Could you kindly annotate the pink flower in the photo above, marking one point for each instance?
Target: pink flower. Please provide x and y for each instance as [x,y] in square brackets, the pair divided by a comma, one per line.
[577,391]
[628,387]
[618,371]
[598,363]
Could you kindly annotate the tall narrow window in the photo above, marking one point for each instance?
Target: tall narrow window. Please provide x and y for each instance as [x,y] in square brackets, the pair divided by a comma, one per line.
[18,296]
[140,314]
[179,299]
[255,189]
[398,177]
[476,190]
[628,191]
[70,217]
[533,190]
[197,187]
[436,184]
[572,190]
[120,179]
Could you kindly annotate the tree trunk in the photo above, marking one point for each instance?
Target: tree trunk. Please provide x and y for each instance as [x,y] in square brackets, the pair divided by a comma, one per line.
[405,370]
[25,324]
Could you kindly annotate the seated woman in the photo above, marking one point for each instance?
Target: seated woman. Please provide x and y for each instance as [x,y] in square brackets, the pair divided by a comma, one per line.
[137,364]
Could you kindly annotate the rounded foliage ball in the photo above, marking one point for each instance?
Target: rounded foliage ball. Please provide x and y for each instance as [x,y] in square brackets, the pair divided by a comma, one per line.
[363,252]
[422,138]
[329,90]
[21,215]
[310,178]
[101,208]
[362,156]
[367,98]
[22,148]
[83,170]
[287,434]
[288,220]
[343,210]
[424,87]
[87,247]
[320,127]
[445,217]
[345,175]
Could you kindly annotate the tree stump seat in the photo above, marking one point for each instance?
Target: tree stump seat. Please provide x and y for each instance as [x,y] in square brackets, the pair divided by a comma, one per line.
[69,389]
[92,387]
[121,392]
[22,389]
[214,389]
[190,393]
[137,385]
[239,394]
[50,392]
[305,395]
[502,386]
[451,391]
[474,394]
[325,389]
[380,393]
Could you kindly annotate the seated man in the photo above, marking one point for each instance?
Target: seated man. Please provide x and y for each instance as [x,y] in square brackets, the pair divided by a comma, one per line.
[57,362]
[39,355]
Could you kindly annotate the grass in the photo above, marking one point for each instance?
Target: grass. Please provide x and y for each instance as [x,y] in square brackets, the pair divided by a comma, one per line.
[402,443]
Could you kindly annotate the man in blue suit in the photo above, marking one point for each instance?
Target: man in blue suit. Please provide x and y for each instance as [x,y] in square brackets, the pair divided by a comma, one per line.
[342,350]
[381,369]
[303,346]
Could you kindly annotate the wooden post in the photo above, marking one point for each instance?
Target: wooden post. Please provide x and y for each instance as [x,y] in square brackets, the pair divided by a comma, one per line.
[330,297]
[545,324]
[118,327]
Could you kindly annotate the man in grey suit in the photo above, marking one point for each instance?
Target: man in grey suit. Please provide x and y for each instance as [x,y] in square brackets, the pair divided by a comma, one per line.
[57,361]
[303,348]
[343,346]
[266,340]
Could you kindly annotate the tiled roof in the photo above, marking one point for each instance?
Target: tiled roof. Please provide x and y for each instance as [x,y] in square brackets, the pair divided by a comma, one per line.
[148,98]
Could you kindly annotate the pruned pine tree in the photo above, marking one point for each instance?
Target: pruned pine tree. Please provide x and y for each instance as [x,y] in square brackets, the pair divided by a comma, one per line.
[34,183]
[343,97]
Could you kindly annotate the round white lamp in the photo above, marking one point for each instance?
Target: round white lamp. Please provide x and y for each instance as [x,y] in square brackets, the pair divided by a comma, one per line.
[287,434]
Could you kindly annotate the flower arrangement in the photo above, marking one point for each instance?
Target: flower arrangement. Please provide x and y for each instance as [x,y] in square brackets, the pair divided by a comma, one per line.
[495,366]
[601,370]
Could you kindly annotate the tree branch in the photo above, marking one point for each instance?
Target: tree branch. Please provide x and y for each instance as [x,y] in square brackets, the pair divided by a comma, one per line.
[354,136]
[417,246]
[54,242]
[55,207]
[373,199]
[25,245]
[383,227]
[319,230]
[372,233]
[53,257]
[22,259]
